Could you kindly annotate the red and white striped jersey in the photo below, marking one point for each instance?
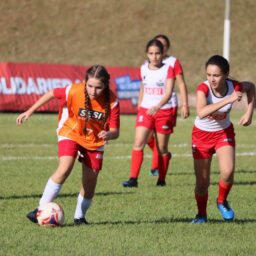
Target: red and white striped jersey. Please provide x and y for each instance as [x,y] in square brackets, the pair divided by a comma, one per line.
[220,119]
[154,82]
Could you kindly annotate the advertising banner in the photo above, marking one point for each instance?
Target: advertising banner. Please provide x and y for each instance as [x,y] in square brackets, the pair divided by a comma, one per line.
[21,84]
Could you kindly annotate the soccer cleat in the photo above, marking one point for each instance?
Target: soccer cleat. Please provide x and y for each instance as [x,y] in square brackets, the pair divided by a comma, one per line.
[226,211]
[81,221]
[199,219]
[153,172]
[161,183]
[32,216]
[132,182]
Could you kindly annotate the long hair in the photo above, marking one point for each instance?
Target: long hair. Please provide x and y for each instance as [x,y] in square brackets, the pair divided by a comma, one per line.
[99,72]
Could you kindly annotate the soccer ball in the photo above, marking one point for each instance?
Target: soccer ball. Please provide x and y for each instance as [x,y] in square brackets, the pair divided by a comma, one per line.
[50,214]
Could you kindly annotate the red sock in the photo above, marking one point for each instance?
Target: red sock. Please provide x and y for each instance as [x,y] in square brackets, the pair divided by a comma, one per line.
[201,204]
[151,143]
[155,156]
[224,189]
[163,166]
[136,161]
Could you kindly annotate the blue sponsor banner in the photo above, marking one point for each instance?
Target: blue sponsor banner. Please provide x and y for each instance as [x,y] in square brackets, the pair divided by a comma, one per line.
[127,89]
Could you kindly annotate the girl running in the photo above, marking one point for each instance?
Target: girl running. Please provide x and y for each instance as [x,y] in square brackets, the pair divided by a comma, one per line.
[213,132]
[92,118]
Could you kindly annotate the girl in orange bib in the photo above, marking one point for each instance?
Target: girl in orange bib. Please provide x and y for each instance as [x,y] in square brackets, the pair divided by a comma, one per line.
[89,119]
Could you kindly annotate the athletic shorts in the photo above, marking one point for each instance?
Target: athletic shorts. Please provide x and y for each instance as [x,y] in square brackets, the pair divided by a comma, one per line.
[205,144]
[162,122]
[92,158]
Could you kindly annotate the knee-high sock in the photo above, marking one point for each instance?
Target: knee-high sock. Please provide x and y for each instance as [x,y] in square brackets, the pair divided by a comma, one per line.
[136,161]
[163,165]
[151,143]
[155,158]
[202,204]
[155,154]
[224,189]
[83,204]
[51,191]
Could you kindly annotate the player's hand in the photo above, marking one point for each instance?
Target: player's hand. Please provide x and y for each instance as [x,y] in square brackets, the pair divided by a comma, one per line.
[184,111]
[22,118]
[236,96]
[152,111]
[245,120]
[105,135]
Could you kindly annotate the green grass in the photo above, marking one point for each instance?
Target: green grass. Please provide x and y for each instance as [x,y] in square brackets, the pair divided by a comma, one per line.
[144,221]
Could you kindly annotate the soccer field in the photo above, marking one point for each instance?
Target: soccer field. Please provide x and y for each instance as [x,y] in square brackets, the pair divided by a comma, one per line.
[147,220]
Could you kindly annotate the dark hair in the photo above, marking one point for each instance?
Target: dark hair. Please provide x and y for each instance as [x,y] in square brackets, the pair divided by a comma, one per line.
[99,72]
[155,42]
[167,40]
[219,61]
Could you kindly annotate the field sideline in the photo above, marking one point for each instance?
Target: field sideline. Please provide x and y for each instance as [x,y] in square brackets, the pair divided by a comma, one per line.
[145,221]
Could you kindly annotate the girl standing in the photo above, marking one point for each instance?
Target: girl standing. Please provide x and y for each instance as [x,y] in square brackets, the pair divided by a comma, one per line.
[154,111]
[184,110]
[92,119]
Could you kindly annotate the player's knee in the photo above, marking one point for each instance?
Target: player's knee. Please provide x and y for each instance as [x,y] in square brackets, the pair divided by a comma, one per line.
[202,187]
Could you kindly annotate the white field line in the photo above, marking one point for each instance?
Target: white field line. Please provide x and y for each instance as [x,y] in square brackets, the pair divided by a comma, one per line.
[45,145]
[14,158]
[32,145]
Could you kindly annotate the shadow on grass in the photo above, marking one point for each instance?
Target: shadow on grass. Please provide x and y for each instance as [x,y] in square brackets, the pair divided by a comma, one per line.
[167,221]
[13,197]
[239,183]
[172,173]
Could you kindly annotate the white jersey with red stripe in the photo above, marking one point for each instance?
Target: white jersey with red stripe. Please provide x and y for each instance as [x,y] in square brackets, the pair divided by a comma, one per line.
[154,82]
[219,120]
[177,69]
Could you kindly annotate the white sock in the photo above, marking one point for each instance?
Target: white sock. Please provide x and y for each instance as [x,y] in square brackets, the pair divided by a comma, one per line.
[51,191]
[82,206]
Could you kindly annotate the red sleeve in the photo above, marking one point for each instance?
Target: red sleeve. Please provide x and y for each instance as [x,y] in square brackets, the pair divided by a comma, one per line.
[114,118]
[60,93]
[170,73]
[203,88]
[237,86]
[177,68]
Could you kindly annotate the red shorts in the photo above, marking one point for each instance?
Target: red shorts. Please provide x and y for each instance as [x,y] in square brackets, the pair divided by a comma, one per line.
[205,144]
[162,122]
[92,159]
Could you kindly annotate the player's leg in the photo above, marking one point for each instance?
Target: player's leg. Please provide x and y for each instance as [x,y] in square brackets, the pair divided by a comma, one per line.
[67,151]
[163,127]
[84,200]
[202,172]
[141,135]
[91,166]
[155,155]
[226,157]
[57,179]
[164,157]
[54,184]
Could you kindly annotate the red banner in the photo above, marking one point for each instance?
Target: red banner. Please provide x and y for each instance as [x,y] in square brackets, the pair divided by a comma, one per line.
[21,84]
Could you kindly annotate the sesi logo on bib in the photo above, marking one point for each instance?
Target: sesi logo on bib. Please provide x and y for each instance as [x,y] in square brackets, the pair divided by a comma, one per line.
[92,114]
